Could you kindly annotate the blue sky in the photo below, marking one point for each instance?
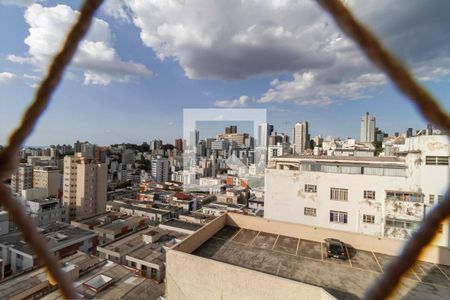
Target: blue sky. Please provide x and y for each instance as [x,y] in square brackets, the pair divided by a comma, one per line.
[136,96]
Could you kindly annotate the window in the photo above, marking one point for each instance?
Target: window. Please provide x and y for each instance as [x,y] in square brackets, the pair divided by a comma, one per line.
[404,196]
[309,211]
[310,188]
[436,160]
[402,224]
[369,195]
[369,219]
[339,194]
[338,217]
[431,199]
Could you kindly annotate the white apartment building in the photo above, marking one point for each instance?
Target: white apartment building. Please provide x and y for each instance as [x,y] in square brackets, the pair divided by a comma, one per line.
[46,211]
[367,133]
[264,130]
[301,137]
[279,149]
[84,188]
[22,178]
[48,178]
[381,196]
[160,169]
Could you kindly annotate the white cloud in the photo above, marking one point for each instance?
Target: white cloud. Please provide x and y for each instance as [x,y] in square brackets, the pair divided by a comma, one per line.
[96,57]
[7,77]
[116,9]
[242,101]
[237,39]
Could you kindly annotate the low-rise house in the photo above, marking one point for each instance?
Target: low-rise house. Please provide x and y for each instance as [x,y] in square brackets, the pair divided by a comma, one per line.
[62,239]
[144,251]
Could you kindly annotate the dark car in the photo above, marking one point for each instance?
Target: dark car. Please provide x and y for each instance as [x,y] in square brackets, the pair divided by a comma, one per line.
[335,248]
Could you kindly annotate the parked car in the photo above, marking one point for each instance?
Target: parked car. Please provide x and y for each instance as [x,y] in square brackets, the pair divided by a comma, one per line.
[335,248]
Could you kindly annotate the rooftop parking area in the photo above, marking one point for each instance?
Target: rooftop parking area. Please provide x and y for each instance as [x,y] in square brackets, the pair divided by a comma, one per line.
[306,261]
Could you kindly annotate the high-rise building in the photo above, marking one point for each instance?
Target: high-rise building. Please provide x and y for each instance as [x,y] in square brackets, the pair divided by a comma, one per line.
[48,178]
[77,146]
[301,137]
[128,157]
[179,144]
[155,145]
[194,138]
[231,129]
[22,178]
[84,186]
[367,134]
[160,169]
[101,154]
[264,131]
[409,132]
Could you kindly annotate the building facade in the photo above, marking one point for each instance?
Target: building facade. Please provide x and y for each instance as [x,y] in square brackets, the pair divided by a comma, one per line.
[22,178]
[367,134]
[84,187]
[301,137]
[48,178]
[160,169]
[381,196]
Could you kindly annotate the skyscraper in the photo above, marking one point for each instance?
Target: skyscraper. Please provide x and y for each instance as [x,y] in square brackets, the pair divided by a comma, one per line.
[84,187]
[301,137]
[264,130]
[179,144]
[367,134]
[194,138]
[160,169]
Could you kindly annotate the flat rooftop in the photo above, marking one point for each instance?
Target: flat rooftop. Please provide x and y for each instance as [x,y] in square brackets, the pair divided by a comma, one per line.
[182,224]
[58,235]
[341,158]
[124,245]
[304,261]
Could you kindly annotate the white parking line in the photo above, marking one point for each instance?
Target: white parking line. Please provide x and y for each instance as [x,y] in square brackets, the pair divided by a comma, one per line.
[349,260]
[275,242]
[378,263]
[255,237]
[232,238]
[298,247]
[415,274]
[442,271]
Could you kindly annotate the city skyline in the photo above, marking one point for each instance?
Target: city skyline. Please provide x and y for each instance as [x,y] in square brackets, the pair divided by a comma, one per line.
[137,100]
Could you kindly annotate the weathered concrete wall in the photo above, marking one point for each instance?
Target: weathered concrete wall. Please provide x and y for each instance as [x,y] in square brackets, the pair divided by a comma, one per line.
[434,254]
[216,280]
[201,235]
[286,198]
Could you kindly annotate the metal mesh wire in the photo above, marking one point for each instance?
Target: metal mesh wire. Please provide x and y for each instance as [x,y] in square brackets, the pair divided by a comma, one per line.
[371,47]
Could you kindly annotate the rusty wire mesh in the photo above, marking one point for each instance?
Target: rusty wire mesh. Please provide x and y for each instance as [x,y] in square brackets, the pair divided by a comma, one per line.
[8,156]
[371,47]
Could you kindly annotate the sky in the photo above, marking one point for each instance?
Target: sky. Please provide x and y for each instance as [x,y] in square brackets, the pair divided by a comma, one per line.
[144,61]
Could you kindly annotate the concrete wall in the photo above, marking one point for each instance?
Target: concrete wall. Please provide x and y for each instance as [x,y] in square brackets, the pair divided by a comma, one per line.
[216,280]
[201,235]
[434,254]
[286,198]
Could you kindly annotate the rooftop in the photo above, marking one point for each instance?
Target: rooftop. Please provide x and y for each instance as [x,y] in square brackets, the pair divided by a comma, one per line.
[132,242]
[116,226]
[303,259]
[182,225]
[57,235]
[379,159]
